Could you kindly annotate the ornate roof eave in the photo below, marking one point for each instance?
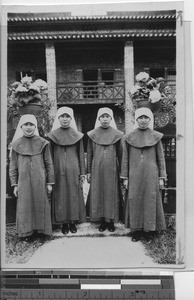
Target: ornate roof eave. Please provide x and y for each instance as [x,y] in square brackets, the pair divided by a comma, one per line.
[92,35]
[111,16]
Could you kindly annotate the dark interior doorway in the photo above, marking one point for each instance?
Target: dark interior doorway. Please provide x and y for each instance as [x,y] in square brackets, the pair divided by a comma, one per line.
[90,80]
[86,114]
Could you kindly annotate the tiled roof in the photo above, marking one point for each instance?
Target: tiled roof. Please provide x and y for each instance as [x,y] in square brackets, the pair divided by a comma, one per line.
[111,34]
[62,17]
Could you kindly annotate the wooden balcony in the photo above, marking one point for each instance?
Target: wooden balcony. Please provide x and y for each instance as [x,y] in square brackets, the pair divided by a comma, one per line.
[89,92]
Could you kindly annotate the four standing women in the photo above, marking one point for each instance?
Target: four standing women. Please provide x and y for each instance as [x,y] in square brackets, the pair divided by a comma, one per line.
[143,172]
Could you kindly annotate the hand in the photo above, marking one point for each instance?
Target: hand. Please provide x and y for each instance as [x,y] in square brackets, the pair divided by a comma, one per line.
[82,179]
[15,191]
[126,183]
[161,183]
[88,178]
[49,188]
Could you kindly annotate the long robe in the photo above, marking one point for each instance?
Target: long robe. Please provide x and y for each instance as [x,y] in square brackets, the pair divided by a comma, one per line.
[104,153]
[69,163]
[143,164]
[31,169]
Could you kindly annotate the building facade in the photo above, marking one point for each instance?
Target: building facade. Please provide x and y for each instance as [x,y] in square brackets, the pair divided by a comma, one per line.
[91,61]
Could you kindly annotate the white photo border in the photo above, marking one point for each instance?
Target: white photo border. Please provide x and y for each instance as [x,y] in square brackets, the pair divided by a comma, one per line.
[182,101]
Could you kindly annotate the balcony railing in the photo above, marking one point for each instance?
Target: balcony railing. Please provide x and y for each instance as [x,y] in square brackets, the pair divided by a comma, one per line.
[90,92]
[95,91]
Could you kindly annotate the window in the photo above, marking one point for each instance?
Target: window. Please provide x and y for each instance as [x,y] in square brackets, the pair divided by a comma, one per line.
[107,77]
[40,75]
[21,74]
[171,76]
[35,75]
[97,82]
[157,73]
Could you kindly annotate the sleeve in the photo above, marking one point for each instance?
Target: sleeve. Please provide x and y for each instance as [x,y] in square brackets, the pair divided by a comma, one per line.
[82,158]
[13,168]
[119,148]
[161,160]
[51,148]
[125,161]
[89,155]
[48,165]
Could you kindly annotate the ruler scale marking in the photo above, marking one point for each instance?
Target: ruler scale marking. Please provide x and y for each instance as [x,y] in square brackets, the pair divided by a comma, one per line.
[44,285]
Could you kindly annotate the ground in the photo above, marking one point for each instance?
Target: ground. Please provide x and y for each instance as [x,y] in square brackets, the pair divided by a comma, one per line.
[89,248]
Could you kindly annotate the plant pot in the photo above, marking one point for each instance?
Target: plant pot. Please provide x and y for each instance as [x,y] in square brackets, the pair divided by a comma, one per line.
[143,103]
[26,99]
[154,107]
[31,108]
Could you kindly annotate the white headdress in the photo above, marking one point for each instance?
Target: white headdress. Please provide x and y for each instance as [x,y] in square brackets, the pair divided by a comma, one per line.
[25,119]
[102,111]
[61,111]
[144,111]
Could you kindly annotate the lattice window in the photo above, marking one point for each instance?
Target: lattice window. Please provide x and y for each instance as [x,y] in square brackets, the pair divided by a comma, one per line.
[171,76]
[169,145]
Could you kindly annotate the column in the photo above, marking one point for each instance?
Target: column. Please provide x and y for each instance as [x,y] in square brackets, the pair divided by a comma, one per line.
[51,76]
[184,144]
[129,82]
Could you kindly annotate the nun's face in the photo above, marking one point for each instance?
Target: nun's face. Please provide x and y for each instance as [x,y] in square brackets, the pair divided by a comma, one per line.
[28,129]
[105,120]
[65,120]
[143,122]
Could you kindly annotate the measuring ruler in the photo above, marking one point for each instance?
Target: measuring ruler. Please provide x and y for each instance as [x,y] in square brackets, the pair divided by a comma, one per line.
[83,285]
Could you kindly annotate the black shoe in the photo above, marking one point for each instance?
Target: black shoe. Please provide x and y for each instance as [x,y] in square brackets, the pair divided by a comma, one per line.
[65,228]
[111,227]
[44,237]
[103,226]
[148,236]
[153,234]
[72,228]
[28,239]
[135,236]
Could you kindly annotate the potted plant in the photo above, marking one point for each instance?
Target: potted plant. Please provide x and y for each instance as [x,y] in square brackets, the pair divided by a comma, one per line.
[28,97]
[167,113]
[146,92]
[25,96]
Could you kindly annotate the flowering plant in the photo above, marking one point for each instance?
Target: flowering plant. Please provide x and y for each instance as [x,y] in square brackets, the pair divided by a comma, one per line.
[25,91]
[28,91]
[146,88]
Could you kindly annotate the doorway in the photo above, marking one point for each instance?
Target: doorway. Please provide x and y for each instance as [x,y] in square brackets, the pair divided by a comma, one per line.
[85,116]
[90,80]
